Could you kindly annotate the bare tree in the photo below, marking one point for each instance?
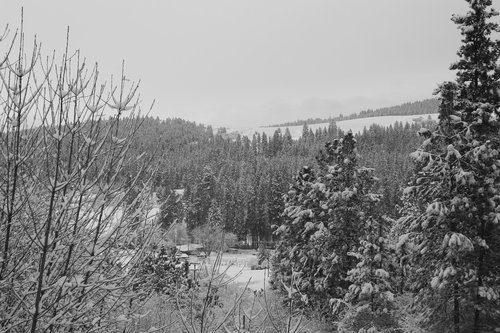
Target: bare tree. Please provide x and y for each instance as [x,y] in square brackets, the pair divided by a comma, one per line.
[69,241]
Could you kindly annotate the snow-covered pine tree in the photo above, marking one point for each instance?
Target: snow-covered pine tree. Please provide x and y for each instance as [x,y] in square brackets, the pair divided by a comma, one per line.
[276,206]
[215,218]
[290,239]
[371,291]
[347,207]
[324,213]
[456,235]
[171,209]
[199,197]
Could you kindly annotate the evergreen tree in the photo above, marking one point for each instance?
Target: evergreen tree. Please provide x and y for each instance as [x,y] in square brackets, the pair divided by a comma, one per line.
[477,69]
[305,132]
[325,211]
[276,143]
[290,240]
[264,144]
[287,139]
[171,209]
[456,234]
[215,217]
[200,199]
[276,200]
[371,290]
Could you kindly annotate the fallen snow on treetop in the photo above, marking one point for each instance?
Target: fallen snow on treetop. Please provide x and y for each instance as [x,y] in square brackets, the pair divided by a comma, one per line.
[355,125]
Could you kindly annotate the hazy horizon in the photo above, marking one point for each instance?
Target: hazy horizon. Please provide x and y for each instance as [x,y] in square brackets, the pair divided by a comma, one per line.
[251,63]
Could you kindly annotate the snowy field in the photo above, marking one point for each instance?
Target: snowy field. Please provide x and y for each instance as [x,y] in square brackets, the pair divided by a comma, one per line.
[238,267]
[355,125]
[257,279]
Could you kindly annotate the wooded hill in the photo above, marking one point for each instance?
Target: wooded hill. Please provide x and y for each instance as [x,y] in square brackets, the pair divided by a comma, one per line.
[245,178]
[407,109]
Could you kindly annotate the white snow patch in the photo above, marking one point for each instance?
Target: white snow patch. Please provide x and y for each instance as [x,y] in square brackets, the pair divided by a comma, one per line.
[238,267]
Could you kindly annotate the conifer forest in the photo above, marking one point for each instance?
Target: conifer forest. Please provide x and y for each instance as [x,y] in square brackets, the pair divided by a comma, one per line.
[113,220]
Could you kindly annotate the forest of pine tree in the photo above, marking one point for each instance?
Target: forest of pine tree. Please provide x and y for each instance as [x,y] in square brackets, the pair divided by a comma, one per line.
[248,177]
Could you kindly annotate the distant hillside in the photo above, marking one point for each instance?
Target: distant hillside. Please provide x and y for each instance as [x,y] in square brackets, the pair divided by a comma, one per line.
[356,125]
[407,109]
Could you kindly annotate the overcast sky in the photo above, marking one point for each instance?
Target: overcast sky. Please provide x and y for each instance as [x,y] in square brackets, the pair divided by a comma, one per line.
[242,63]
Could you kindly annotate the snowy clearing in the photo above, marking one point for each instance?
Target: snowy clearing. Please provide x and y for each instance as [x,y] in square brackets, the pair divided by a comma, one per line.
[238,266]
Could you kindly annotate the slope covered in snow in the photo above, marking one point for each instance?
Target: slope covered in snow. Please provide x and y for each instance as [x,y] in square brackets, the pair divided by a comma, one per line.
[355,125]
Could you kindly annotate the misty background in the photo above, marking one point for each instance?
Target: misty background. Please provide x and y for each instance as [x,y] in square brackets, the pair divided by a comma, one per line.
[248,63]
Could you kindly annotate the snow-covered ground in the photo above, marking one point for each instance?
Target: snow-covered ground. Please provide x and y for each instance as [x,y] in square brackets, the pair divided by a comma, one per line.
[258,278]
[355,125]
[238,266]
